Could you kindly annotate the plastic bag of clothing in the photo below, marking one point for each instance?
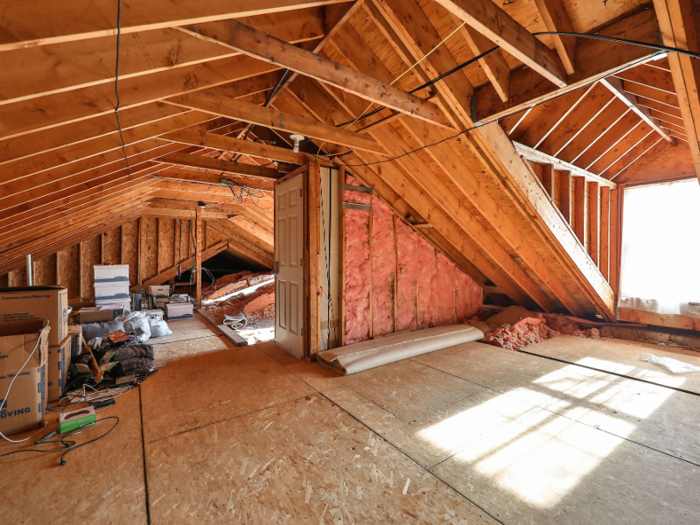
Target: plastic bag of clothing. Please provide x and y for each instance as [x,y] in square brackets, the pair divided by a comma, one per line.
[159,328]
[92,330]
[137,323]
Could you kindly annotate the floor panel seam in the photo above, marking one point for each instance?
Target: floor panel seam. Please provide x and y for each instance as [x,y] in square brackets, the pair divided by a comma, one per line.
[228,419]
[411,459]
[145,466]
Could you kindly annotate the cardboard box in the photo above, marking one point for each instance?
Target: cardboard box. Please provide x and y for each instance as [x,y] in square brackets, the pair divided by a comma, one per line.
[57,370]
[24,408]
[98,315]
[111,272]
[76,340]
[34,303]
[159,291]
[160,302]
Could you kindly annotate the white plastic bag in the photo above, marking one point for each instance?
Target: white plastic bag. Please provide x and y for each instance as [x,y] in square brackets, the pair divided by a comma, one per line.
[137,323]
[160,328]
[674,365]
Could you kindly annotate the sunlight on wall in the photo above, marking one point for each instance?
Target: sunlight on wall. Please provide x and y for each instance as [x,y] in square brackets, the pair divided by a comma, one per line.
[536,454]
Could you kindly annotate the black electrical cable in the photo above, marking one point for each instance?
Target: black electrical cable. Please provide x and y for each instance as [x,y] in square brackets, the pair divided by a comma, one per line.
[69,446]
[658,47]
[267,103]
[481,124]
[116,86]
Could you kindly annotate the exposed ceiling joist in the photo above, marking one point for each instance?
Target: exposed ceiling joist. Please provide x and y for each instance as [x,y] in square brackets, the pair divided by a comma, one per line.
[259,45]
[43,22]
[557,20]
[616,88]
[199,137]
[271,118]
[225,166]
[499,27]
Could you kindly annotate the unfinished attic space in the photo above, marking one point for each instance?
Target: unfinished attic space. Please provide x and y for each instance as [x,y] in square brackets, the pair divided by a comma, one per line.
[348,262]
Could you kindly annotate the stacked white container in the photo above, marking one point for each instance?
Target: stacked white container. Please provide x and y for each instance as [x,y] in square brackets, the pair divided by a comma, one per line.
[112,286]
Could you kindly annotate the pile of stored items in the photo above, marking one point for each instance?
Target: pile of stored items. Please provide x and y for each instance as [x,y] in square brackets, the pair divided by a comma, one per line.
[246,302]
[47,365]
[515,328]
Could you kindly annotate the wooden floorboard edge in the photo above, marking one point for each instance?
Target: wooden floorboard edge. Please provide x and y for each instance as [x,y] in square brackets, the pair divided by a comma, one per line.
[226,331]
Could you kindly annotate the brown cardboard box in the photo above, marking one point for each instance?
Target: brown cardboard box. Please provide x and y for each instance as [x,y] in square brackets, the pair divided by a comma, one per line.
[75,331]
[57,375]
[24,407]
[33,303]
[98,315]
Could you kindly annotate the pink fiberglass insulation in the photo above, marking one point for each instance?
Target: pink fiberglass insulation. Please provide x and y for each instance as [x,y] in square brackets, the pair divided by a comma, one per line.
[407,276]
[476,298]
[461,296]
[446,291]
[356,197]
[383,268]
[357,276]
[427,275]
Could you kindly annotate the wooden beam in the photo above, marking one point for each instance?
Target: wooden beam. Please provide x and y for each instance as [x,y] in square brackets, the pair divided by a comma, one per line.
[678,29]
[225,166]
[654,319]
[42,22]
[630,100]
[188,174]
[594,222]
[259,45]
[580,209]
[493,64]
[594,59]
[542,158]
[199,137]
[604,263]
[499,27]
[566,200]
[271,118]
[199,241]
[184,265]
[556,19]
[63,108]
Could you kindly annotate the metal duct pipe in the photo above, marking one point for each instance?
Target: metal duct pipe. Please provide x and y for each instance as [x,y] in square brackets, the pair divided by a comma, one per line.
[30,278]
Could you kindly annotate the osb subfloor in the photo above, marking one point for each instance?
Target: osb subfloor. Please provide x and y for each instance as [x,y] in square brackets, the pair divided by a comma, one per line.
[470,434]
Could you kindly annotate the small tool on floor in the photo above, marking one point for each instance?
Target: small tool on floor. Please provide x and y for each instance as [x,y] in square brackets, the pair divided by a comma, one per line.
[70,421]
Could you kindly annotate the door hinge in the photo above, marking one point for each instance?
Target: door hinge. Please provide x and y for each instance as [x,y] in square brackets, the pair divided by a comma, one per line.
[301,192]
[301,262]
[276,268]
[301,331]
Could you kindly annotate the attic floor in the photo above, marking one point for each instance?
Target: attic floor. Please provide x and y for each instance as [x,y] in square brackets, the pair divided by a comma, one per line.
[470,434]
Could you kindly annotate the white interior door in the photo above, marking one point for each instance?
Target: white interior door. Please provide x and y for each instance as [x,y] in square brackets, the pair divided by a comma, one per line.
[289,255]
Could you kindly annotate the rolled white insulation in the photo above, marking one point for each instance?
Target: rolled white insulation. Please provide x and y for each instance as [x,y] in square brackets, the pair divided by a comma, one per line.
[362,356]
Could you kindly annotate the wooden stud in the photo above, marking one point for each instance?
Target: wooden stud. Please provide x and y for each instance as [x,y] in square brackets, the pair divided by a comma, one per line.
[580,209]
[566,200]
[594,221]
[604,264]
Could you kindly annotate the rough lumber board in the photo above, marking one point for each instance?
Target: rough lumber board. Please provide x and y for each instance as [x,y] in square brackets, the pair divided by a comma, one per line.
[542,158]
[556,19]
[594,60]
[94,153]
[272,118]
[242,242]
[63,108]
[225,166]
[259,45]
[654,319]
[53,139]
[41,22]
[493,64]
[188,174]
[220,192]
[604,263]
[29,72]
[630,100]
[499,27]
[199,137]
[594,222]
[678,29]
[228,332]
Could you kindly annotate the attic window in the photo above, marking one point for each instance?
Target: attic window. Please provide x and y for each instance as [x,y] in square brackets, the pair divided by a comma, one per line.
[660,249]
